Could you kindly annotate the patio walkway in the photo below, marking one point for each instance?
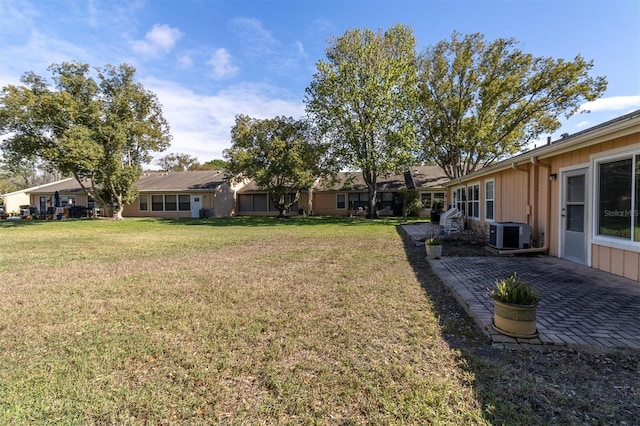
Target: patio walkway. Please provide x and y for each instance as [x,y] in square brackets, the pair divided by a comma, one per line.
[581,308]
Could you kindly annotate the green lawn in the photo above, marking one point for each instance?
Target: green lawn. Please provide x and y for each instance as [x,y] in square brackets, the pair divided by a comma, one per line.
[236,321]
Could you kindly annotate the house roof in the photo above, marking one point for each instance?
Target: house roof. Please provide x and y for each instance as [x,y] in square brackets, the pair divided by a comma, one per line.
[418,177]
[354,181]
[618,127]
[427,177]
[43,187]
[201,180]
[68,186]
[204,180]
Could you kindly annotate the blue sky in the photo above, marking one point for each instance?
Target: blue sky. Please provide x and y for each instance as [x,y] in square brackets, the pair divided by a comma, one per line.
[209,60]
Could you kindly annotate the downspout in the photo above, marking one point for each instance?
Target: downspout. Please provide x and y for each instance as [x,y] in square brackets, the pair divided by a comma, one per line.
[545,247]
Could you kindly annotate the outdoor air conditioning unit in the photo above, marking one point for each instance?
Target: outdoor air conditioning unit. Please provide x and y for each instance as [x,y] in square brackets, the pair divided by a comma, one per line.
[509,235]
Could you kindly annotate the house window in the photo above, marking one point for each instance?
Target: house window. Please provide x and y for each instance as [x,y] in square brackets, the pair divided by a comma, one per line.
[358,200]
[432,200]
[473,201]
[170,203]
[143,202]
[489,200]
[157,203]
[252,202]
[67,200]
[184,202]
[91,202]
[260,203]
[460,198]
[425,198]
[341,202]
[619,198]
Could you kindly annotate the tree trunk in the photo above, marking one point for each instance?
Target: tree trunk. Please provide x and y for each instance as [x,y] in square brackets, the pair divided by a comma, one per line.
[117,209]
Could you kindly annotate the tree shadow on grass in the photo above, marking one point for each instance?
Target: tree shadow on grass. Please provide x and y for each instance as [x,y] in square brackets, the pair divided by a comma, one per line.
[260,221]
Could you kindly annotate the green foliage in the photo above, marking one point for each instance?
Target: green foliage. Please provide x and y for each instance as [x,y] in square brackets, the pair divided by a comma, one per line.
[411,202]
[432,241]
[480,102]
[178,162]
[217,164]
[360,98]
[513,291]
[98,131]
[281,155]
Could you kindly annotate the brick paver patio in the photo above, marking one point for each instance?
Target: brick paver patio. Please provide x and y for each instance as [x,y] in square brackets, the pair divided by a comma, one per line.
[581,307]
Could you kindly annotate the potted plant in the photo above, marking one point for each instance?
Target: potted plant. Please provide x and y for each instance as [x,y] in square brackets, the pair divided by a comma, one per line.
[515,306]
[434,247]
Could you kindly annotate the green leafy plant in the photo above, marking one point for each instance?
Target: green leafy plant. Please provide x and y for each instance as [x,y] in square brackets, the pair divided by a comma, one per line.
[433,241]
[513,291]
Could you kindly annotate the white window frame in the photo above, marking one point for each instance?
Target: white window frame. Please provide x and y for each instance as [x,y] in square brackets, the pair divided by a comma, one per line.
[470,191]
[492,199]
[459,198]
[606,240]
[344,201]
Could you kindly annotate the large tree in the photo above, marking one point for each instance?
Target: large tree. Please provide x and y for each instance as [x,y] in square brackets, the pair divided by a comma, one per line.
[98,131]
[178,162]
[480,102]
[282,155]
[361,96]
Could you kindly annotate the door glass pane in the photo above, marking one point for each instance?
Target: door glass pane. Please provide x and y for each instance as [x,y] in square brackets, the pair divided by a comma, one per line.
[575,218]
[575,189]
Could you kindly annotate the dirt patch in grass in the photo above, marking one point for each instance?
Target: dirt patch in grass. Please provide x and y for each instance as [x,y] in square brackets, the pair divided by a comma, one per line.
[532,387]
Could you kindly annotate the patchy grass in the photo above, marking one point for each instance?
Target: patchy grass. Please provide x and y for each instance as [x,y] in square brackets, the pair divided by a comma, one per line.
[231,321]
[258,321]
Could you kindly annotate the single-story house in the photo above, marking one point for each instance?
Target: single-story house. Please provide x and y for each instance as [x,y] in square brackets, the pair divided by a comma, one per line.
[578,197]
[347,194]
[70,194]
[161,194]
[183,194]
[11,201]
[254,201]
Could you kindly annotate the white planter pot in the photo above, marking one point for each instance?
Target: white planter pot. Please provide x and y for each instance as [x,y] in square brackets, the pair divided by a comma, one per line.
[433,252]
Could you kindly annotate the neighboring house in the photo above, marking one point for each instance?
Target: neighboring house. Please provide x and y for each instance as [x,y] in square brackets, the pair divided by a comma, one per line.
[347,194]
[70,193]
[12,201]
[430,182]
[254,201]
[161,194]
[183,194]
[580,195]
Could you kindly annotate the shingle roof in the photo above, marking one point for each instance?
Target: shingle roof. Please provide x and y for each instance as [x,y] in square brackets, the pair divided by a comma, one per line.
[180,181]
[419,177]
[205,180]
[428,177]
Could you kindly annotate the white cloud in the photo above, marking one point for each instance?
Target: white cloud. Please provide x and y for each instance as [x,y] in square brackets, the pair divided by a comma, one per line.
[201,125]
[257,40]
[300,48]
[185,61]
[160,40]
[614,103]
[221,63]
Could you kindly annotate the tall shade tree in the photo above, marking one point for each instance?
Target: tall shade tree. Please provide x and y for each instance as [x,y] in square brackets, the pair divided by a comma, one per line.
[361,96]
[178,162]
[282,155]
[98,131]
[480,102]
